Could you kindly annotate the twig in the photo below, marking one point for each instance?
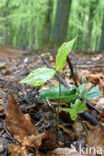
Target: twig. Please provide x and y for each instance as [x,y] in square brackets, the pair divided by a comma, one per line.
[38,123]
[94,108]
[72,71]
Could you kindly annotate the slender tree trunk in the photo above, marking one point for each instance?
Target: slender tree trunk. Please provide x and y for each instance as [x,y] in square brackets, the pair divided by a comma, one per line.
[47,25]
[102,38]
[61,22]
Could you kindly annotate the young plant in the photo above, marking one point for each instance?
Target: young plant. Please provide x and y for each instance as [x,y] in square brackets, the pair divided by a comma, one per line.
[59,93]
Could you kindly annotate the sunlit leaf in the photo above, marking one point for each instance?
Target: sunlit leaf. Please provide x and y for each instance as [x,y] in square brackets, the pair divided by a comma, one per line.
[63,52]
[39,76]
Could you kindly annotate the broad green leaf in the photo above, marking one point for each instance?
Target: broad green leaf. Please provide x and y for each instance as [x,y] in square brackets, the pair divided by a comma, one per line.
[63,52]
[39,76]
[54,92]
[76,108]
[62,99]
[93,93]
[87,93]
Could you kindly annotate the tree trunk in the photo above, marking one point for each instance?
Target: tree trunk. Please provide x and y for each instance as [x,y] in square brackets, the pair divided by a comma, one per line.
[47,25]
[61,22]
[102,38]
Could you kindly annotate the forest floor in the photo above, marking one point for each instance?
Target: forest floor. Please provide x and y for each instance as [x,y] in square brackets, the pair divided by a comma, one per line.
[44,136]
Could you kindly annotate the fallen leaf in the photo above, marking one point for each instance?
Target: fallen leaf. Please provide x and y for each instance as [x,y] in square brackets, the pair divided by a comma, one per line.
[1,109]
[33,140]
[49,142]
[100,103]
[94,78]
[101,115]
[77,75]
[17,123]
[95,139]
[18,150]
[64,152]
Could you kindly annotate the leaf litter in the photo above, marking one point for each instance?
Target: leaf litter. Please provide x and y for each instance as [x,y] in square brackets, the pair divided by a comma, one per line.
[46,138]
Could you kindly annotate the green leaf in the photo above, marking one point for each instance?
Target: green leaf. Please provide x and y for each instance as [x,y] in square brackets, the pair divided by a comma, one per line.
[93,93]
[76,108]
[62,99]
[63,52]
[54,92]
[39,76]
[81,88]
[84,80]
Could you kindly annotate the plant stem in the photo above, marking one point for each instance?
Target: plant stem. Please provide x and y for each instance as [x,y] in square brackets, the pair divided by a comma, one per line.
[58,108]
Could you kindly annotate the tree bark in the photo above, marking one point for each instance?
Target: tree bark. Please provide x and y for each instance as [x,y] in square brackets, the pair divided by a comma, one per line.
[47,24]
[61,22]
[102,38]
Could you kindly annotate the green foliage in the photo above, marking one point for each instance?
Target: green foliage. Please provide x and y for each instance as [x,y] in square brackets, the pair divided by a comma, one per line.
[61,99]
[63,52]
[67,95]
[54,92]
[76,108]
[93,93]
[39,76]
[87,92]
[71,95]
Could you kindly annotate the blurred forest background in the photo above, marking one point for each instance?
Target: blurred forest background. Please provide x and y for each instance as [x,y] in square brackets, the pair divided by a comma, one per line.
[48,23]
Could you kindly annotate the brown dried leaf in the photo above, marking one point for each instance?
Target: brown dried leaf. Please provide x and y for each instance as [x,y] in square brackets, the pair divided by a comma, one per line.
[1,109]
[64,152]
[77,76]
[17,123]
[93,78]
[33,140]
[100,103]
[101,115]
[49,142]
[17,150]
[95,138]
